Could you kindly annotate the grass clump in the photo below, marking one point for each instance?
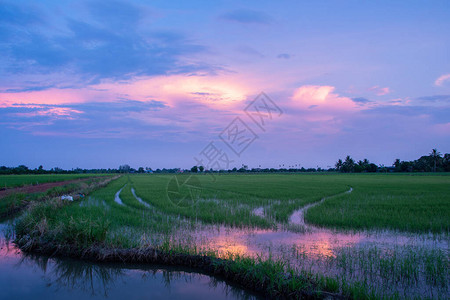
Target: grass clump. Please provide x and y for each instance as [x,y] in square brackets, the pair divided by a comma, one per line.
[46,224]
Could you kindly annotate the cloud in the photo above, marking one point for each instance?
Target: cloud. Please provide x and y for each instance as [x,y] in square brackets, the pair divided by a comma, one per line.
[110,44]
[435,98]
[29,89]
[245,16]
[68,110]
[220,92]
[284,56]
[91,120]
[361,100]
[174,108]
[440,81]
[322,98]
[380,91]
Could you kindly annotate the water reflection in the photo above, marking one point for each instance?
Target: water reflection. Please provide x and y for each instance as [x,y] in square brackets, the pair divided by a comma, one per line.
[74,275]
[315,243]
[389,262]
[26,276]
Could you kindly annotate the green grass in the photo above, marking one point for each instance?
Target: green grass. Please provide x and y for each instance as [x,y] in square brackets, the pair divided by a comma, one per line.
[399,202]
[9,181]
[15,201]
[230,199]
[378,201]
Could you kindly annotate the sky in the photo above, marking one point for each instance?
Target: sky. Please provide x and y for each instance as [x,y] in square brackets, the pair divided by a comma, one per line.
[98,84]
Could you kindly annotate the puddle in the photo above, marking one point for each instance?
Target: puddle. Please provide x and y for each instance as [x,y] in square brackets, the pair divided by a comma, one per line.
[140,199]
[259,211]
[117,197]
[315,243]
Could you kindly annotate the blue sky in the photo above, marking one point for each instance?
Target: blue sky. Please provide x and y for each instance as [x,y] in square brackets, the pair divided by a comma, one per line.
[96,84]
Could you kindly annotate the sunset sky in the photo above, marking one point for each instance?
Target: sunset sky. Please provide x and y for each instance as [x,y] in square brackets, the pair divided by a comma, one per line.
[97,84]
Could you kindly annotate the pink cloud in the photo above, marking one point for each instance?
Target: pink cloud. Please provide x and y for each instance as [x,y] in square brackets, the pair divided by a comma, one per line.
[220,92]
[52,96]
[316,111]
[192,103]
[57,112]
[442,129]
[321,98]
[440,81]
[380,91]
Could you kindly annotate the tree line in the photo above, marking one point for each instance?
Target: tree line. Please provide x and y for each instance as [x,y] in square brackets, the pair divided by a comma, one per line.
[433,162]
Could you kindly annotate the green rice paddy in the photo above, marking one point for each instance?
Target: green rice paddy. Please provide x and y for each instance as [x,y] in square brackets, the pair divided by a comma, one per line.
[387,238]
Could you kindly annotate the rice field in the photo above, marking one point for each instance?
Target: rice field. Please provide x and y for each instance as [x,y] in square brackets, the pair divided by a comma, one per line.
[11,181]
[12,200]
[363,236]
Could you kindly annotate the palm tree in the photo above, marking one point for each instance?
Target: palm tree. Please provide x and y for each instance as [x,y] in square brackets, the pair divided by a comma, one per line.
[348,165]
[339,165]
[435,155]
[397,164]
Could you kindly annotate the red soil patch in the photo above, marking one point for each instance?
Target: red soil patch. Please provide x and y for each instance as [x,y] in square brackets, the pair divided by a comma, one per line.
[29,189]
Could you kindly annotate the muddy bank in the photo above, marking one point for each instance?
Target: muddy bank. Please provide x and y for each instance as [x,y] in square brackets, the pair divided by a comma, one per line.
[39,188]
[248,277]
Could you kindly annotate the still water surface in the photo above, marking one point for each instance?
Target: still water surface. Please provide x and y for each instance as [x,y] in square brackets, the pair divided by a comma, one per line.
[24,276]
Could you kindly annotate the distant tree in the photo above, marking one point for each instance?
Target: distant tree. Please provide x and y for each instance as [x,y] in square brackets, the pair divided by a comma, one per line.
[58,170]
[40,170]
[194,169]
[141,170]
[446,162]
[359,166]
[436,155]
[201,168]
[348,165]
[372,168]
[397,164]
[124,169]
[338,165]
[22,169]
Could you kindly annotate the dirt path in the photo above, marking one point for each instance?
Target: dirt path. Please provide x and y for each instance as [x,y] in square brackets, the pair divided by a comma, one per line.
[29,189]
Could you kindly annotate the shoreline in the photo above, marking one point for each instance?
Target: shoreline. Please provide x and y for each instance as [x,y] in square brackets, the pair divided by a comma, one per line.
[207,265]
